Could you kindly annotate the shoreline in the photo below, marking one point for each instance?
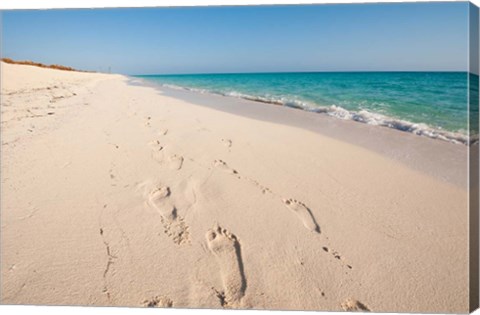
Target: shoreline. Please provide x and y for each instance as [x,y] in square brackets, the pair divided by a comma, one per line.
[361,116]
[248,207]
[410,149]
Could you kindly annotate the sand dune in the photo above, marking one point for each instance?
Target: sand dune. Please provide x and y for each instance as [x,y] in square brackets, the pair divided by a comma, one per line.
[117,194]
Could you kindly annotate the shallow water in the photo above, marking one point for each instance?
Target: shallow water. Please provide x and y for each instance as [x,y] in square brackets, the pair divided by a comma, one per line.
[427,103]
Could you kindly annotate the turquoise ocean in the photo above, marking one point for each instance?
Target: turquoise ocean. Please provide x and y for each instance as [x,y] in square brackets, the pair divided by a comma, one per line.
[432,104]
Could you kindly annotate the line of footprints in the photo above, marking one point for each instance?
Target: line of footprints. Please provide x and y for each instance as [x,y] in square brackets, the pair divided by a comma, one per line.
[223,244]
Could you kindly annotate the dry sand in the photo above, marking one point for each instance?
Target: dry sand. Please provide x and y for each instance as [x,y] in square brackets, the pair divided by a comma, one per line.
[116,194]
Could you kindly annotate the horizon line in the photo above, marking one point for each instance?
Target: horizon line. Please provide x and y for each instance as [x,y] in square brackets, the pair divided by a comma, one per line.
[277,72]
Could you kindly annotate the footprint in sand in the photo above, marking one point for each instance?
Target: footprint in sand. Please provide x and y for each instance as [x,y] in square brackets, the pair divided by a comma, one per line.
[158,201]
[336,255]
[147,121]
[174,225]
[263,189]
[175,162]
[157,151]
[352,305]
[303,213]
[227,142]
[158,301]
[224,167]
[226,248]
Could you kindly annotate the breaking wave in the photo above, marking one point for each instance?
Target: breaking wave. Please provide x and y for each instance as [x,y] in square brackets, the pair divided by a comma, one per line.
[362,116]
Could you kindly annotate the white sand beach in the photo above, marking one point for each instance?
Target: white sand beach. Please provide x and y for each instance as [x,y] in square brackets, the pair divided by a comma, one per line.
[120,194]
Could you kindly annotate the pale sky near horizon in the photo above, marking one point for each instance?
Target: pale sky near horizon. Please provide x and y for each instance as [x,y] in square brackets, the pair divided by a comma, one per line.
[342,37]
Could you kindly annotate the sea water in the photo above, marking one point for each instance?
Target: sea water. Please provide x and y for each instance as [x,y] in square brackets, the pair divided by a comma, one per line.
[433,104]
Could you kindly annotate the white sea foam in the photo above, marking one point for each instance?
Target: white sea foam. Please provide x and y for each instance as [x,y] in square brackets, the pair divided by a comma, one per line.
[376,119]
[362,116]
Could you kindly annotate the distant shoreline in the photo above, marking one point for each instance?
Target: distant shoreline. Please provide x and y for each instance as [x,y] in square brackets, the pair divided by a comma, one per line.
[41,65]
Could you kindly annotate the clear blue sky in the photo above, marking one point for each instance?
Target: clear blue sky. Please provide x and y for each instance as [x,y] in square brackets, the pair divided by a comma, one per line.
[352,37]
